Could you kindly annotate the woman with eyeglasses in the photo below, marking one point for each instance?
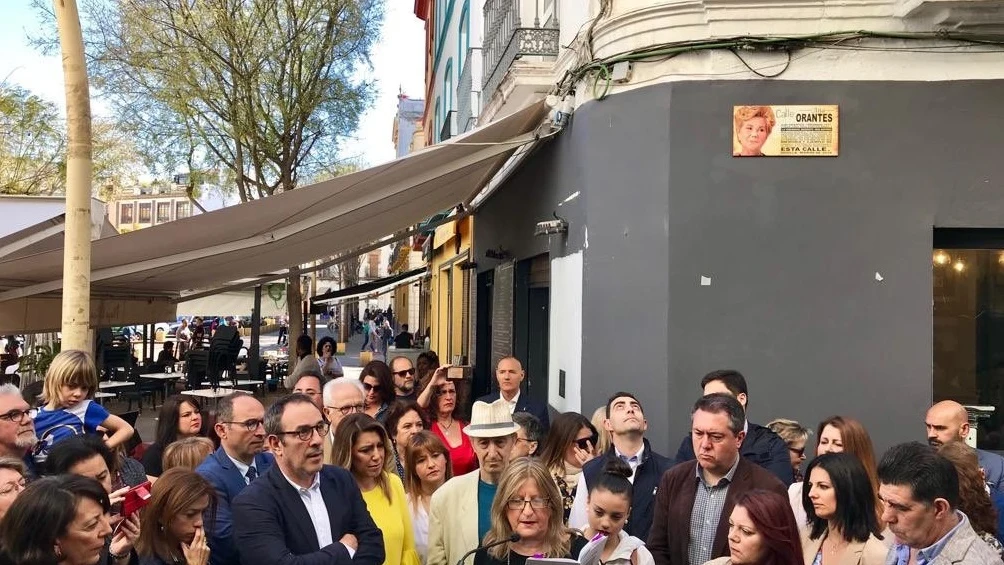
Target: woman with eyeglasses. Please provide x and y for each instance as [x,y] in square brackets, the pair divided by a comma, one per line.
[840,504]
[405,419]
[361,446]
[446,412]
[794,435]
[426,467]
[12,482]
[527,503]
[570,444]
[379,389]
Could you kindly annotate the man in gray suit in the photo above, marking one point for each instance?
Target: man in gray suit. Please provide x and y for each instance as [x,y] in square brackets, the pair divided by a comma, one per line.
[920,492]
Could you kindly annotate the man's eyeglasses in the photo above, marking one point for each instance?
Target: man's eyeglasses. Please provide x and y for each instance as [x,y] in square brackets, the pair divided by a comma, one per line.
[304,433]
[13,487]
[249,425]
[370,387]
[348,409]
[405,372]
[18,415]
[535,503]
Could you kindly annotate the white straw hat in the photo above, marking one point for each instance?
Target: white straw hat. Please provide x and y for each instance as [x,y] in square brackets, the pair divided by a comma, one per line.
[491,420]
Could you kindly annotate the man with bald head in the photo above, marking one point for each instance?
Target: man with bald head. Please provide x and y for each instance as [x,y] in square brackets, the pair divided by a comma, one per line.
[948,421]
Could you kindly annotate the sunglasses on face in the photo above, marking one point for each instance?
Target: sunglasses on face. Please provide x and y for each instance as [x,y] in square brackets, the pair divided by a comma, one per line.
[799,452]
[585,443]
[370,387]
[410,372]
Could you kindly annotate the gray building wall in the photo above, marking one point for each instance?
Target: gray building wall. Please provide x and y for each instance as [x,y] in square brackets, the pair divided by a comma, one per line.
[792,245]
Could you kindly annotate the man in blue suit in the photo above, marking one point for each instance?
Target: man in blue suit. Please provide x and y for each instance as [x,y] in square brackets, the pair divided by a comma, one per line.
[509,374]
[302,512]
[238,461]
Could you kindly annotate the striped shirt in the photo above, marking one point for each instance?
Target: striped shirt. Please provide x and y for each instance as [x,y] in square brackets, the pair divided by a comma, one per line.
[708,504]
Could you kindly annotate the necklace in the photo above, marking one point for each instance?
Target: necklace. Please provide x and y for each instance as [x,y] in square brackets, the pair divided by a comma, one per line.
[446,428]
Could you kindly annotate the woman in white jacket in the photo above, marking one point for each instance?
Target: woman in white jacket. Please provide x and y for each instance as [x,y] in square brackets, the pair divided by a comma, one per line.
[608,508]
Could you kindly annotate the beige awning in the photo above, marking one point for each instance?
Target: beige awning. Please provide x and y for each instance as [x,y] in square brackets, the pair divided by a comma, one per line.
[291,228]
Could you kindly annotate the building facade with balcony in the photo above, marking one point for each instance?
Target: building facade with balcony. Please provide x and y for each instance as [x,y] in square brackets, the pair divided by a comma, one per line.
[812,275]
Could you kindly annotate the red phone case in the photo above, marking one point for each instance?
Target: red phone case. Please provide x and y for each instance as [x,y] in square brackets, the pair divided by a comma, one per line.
[137,497]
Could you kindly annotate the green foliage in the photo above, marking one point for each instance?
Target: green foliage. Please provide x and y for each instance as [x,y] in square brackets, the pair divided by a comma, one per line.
[264,89]
[37,362]
[32,144]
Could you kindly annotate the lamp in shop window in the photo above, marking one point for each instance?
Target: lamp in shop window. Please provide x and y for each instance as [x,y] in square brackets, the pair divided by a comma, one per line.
[959,266]
[941,258]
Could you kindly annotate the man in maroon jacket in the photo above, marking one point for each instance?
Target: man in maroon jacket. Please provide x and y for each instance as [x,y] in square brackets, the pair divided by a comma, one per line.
[695,499]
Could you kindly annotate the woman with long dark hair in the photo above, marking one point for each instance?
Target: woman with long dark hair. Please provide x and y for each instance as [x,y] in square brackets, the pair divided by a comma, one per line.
[570,444]
[446,412]
[840,434]
[179,417]
[838,499]
[762,531]
[58,520]
[379,389]
[361,446]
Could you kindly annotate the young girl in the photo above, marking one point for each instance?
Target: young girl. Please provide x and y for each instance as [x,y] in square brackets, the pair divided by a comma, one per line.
[70,384]
[609,505]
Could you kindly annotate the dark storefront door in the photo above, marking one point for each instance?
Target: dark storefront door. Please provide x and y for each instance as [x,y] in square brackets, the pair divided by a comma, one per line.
[537,333]
[968,298]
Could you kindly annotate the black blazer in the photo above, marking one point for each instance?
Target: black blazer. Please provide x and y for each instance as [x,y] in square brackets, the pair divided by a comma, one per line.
[272,526]
[646,483]
[761,446]
[524,404]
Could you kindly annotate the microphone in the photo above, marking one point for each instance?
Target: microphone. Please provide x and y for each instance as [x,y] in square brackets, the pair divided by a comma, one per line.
[513,538]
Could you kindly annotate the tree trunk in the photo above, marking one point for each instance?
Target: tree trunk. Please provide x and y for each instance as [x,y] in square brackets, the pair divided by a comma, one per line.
[294,303]
[77,242]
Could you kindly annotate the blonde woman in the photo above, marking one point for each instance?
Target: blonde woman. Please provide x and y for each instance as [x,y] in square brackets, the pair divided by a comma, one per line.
[753,125]
[603,436]
[187,453]
[794,435]
[361,445]
[528,503]
[426,467]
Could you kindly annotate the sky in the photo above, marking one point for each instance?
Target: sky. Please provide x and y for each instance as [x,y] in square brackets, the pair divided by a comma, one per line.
[397,60]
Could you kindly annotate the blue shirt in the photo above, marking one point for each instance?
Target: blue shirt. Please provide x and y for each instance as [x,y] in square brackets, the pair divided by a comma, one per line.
[52,426]
[928,554]
[486,494]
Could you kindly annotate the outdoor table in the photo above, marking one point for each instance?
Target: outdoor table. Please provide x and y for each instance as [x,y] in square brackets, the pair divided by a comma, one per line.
[101,396]
[114,384]
[166,378]
[215,395]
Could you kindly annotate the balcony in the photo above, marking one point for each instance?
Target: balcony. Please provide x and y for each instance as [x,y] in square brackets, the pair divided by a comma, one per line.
[469,91]
[507,39]
[449,128]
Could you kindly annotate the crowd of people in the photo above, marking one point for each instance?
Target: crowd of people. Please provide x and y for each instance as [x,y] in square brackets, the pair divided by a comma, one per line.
[393,468]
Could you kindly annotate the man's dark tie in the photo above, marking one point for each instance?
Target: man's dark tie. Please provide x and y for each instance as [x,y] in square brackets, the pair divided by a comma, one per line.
[251,475]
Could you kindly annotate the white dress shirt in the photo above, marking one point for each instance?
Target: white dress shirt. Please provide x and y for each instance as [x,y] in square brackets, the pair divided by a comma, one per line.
[318,512]
[243,468]
[511,403]
[578,516]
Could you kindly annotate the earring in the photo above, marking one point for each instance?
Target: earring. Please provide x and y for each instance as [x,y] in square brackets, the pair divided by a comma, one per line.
[58,552]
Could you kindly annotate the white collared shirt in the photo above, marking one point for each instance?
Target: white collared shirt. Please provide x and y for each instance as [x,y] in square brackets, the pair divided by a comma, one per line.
[318,512]
[243,468]
[512,403]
